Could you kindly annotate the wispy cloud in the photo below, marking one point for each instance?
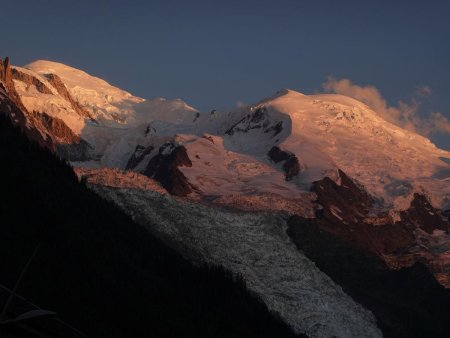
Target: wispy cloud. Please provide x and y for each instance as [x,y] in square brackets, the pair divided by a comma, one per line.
[240,104]
[423,91]
[405,114]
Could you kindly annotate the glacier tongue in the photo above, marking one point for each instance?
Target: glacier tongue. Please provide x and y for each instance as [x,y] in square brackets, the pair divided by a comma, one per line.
[256,247]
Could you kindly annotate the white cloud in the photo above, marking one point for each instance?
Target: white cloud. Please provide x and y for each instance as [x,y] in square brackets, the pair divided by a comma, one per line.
[404,114]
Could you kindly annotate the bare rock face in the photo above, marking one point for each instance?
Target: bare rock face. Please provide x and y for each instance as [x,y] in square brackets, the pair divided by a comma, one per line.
[347,211]
[346,200]
[209,138]
[8,85]
[68,145]
[59,85]
[277,155]
[164,168]
[12,106]
[5,71]
[139,153]
[422,215]
[257,119]
[30,81]
[291,165]
[56,127]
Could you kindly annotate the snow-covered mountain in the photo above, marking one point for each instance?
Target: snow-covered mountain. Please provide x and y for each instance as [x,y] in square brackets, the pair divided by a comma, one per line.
[93,110]
[278,146]
[328,159]
[326,132]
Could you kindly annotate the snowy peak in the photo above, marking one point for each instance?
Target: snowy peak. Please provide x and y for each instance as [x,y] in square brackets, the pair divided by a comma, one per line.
[332,110]
[323,133]
[160,109]
[281,93]
[74,77]
[55,88]
[104,101]
[89,111]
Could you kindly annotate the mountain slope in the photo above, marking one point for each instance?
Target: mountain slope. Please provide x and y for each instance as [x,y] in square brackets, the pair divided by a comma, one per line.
[100,271]
[255,246]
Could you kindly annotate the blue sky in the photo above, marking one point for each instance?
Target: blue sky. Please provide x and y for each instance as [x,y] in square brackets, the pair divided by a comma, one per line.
[214,54]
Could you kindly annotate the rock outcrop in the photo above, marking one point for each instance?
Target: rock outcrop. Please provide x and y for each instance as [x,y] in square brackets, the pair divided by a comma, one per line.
[58,129]
[164,168]
[344,200]
[423,215]
[12,106]
[291,165]
[257,119]
[30,80]
[68,145]
[8,84]
[348,212]
[59,85]
[392,296]
[5,71]
[138,155]
[277,155]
